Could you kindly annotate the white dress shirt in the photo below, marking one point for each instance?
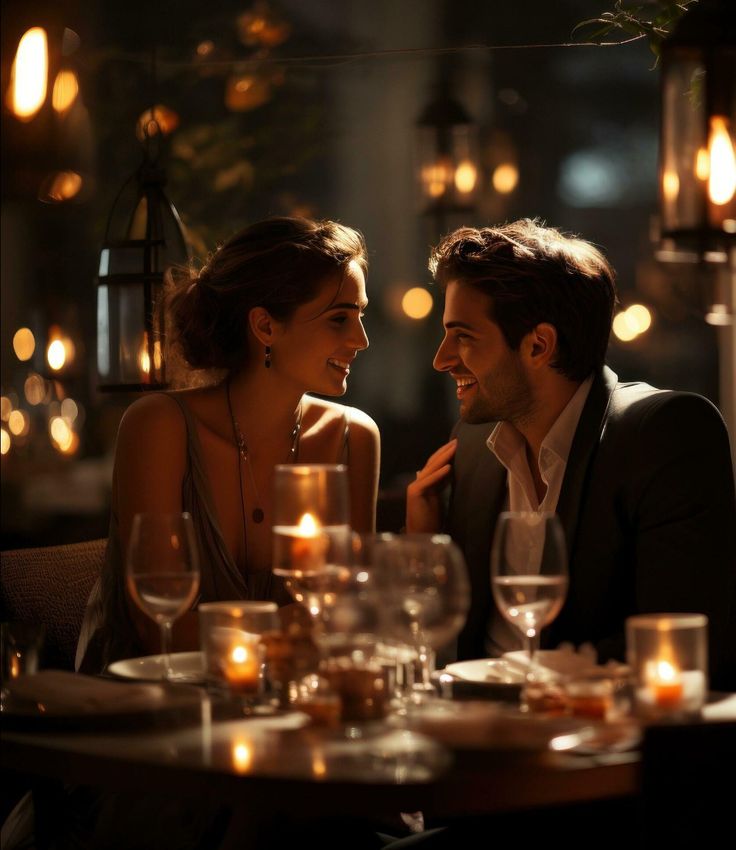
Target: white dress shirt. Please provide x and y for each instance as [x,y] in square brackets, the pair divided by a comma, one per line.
[508,445]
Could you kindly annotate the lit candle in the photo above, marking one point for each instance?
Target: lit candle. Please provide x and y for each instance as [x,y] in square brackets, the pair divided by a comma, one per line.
[665,683]
[242,666]
[307,545]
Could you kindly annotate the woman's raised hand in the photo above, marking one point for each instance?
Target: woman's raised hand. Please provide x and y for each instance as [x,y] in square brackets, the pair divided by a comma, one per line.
[423,503]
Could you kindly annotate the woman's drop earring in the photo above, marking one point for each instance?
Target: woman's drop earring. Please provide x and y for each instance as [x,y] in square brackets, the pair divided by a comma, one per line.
[267,361]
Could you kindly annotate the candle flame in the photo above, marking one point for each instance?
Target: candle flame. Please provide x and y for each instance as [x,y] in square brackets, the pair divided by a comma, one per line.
[722,179]
[28,74]
[239,654]
[666,672]
[308,526]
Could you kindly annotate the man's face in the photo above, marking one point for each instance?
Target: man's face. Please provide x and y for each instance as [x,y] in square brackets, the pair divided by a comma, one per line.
[491,381]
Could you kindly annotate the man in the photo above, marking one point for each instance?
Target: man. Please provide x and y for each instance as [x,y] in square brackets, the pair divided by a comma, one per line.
[641,478]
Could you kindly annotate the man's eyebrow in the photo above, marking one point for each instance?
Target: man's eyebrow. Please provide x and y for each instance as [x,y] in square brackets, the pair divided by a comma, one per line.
[464,325]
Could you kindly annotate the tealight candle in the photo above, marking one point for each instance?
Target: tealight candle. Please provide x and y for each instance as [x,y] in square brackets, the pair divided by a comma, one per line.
[242,666]
[300,548]
[667,654]
[665,681]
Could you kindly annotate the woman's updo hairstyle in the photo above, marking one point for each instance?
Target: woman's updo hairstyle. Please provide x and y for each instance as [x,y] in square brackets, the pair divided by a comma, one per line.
[278,264]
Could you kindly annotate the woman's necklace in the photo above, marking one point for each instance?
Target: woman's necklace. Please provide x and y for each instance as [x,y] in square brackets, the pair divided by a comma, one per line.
[257,513]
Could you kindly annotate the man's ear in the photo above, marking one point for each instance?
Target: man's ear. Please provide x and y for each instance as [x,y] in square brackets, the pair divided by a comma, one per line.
[540,345]
[262,325]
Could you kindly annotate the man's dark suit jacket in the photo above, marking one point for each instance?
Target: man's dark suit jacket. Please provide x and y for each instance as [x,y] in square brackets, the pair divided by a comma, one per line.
[648,508]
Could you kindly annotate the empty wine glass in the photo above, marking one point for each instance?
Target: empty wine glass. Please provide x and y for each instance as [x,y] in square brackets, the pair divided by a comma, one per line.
[162,572]
[529,574]
[428,599]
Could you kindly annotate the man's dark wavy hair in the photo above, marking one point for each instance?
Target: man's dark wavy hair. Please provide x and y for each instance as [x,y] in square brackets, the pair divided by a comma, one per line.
[536,274]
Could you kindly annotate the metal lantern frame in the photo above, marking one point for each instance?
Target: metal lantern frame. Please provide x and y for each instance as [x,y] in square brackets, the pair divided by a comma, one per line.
[449,164]
[130,282]
[698,135]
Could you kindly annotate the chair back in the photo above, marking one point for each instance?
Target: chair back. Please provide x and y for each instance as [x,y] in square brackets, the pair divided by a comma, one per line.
[51,585]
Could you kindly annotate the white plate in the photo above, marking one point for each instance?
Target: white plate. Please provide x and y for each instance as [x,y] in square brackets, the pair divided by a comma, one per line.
[150,668]
[510,669]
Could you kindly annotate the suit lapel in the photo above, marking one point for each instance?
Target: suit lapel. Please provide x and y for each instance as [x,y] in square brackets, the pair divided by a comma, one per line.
[587,436]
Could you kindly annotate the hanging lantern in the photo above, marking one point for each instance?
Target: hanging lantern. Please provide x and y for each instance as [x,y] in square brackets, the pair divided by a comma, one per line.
[698,138]
[144,237]
[448,156]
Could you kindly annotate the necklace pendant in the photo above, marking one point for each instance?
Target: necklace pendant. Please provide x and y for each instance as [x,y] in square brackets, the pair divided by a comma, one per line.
[258,515]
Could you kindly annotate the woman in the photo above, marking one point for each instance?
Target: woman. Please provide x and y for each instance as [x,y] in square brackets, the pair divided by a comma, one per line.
[276,312]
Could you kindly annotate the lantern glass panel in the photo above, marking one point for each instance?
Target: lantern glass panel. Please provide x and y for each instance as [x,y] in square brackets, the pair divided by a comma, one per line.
[125,355]
[684,151]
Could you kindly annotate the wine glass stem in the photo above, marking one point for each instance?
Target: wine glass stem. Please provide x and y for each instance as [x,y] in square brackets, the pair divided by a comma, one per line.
[166,648]
[426,667]
[531,640]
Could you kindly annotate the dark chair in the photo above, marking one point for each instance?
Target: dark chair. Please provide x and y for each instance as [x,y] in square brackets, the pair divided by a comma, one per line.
[50,585]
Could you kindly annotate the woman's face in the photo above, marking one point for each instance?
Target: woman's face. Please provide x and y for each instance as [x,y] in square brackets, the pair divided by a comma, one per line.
[315,348]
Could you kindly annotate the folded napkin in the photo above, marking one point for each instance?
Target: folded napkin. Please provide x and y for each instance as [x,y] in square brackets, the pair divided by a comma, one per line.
[59,693]
[556,664]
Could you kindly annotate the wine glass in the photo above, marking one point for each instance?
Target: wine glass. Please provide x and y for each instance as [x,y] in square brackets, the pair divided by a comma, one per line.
[529,574]
[162,572]
[397,657]
[428,598]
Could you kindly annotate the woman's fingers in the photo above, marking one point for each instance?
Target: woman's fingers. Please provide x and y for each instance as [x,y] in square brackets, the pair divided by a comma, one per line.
[427,480]
[438,459]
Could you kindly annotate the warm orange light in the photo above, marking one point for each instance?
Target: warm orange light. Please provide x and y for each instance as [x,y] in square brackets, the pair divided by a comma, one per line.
[4,441]
[28,75]
[60,186]
[622,329]
[56,355]
[144,358]
[34,389]
[722,178]
[204,48]
[665,681]
[242,755]
[246,91]
[417,303]
[242,667]
[65,91]
[6,408]
[702,164]
[505,178]
[466,176]
[19,423]
[670,185]
[308,526]
[24,344]
[159,119]
[69,409]
[62,436]
[437,177]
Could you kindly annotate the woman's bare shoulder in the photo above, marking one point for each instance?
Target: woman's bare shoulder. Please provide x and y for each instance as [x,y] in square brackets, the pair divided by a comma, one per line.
[319,411]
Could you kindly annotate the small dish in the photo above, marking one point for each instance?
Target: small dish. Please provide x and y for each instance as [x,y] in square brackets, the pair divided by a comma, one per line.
[187,667]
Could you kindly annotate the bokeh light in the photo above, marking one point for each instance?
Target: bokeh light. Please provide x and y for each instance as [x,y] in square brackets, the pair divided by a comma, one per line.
[19,423]
[466,175]
[416,303]
[34,389]
[505,178]
[4,441]
[24,344]
[65,91]
[28,75]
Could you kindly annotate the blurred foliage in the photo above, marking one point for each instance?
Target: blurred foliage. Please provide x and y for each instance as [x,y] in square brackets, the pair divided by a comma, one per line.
[653,20]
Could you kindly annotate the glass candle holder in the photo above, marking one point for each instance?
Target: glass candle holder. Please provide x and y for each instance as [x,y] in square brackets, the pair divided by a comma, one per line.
[668,655]
[232,648]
